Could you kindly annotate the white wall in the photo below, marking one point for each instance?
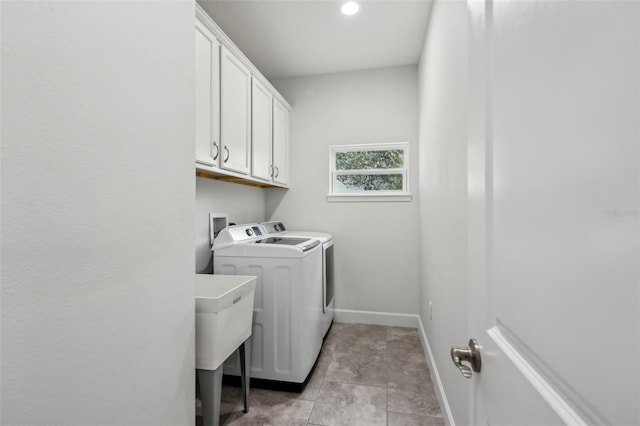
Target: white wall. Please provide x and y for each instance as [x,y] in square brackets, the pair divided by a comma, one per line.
[97,213]
[443,194]
[243,204]
[375,243]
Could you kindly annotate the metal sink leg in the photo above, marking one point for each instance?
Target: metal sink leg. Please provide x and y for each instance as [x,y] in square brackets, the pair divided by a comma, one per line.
[210,394]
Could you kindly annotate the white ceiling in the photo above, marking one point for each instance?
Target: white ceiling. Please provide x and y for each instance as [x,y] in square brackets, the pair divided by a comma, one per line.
[286,38]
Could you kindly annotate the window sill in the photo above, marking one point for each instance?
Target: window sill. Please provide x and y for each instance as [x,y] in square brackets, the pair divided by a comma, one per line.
[369,197]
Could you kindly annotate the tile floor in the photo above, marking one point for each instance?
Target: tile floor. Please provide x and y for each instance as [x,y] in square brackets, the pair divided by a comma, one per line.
[366,375]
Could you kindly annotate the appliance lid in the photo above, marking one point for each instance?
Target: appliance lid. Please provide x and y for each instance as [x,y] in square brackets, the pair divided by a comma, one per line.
[304,243]
[276,228]
[256,235]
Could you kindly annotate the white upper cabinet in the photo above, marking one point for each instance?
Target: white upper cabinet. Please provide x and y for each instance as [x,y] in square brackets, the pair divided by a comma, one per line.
[261,117]
[207,83]
[270,137]
[242,122]
[280,153]
[235,113]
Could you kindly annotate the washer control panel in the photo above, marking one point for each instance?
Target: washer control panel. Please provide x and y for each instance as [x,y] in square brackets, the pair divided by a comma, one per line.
[239,233]
[273,227]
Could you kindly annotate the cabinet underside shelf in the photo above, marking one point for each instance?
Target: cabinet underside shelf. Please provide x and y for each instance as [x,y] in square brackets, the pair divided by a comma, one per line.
[234,179]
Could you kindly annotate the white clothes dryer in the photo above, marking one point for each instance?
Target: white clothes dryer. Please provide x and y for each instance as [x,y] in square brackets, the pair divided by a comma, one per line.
[287,315]
[276,228]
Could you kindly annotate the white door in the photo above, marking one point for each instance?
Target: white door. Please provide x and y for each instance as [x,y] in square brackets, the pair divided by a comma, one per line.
[554,211]
[235,113]
[260,131]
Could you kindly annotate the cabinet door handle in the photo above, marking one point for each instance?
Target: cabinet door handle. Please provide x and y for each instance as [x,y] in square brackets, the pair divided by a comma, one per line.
[277,171]
[227,156]
[214,144]
[271,170]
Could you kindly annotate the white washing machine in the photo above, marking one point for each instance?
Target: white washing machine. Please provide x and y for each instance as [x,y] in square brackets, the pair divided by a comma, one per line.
[276,228]
[287,315]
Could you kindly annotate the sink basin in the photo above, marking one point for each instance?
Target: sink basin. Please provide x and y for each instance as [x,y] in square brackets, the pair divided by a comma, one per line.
[224,312]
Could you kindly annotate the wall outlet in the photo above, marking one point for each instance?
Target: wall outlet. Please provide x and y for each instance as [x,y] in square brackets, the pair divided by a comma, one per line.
[430,310]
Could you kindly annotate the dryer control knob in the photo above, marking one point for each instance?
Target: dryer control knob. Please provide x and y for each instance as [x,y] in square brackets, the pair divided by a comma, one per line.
[249,232]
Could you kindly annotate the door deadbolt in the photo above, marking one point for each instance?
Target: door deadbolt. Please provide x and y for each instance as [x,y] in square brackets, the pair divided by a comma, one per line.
[470,354]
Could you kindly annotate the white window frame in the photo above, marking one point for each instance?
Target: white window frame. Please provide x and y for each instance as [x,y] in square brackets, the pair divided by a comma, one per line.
[403,195]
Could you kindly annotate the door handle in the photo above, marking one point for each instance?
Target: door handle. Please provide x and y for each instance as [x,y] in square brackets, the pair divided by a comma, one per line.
[470,354]
[217,151]
[226,158]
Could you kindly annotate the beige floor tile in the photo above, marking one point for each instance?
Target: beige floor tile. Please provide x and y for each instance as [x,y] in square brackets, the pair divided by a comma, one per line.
[410,396]
[341,404]
[361,338]
[403,344]
[361,369]
[402,331]
[411,366]
[270,408]
[366,375]
[331,339]
[317,376]
[401,419]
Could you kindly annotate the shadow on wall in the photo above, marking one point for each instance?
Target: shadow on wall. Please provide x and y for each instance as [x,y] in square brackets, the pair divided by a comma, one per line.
[273,200]
[209,268]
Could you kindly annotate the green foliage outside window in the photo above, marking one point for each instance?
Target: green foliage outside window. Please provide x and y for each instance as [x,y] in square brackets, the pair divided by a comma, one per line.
[376,169]
[371,182]
[366,160]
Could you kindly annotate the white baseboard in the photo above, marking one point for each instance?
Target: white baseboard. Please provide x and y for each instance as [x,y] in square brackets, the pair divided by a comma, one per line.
[376,318]
[435,376]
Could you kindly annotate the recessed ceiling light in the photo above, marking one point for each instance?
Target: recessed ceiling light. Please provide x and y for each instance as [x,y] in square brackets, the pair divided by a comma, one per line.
[350,8]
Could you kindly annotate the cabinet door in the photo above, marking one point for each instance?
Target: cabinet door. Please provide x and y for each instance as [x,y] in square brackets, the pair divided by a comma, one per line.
[280,143]
[260,132]
[235,113]
[207,82]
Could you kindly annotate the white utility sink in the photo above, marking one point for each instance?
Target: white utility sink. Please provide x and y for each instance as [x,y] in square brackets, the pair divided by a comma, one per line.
[224,313]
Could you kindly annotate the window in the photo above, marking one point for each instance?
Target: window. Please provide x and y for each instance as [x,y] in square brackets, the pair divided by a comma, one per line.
[373,172]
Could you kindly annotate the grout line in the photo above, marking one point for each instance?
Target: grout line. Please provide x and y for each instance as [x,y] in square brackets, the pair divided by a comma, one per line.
[324,376]
[311,411]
